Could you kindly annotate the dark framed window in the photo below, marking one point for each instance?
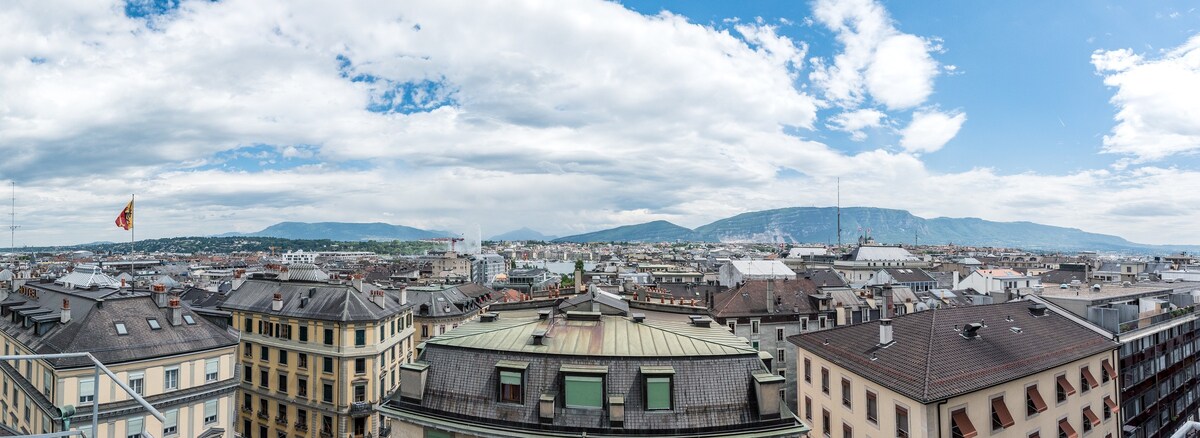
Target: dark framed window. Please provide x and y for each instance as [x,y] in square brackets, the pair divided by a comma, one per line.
[303,333]
[825,426]
[328,336]
[283,357]
[282,383]
[825,380]
[264,353]
[584,391]
[328,364]
[807,370]
[846,393]
[807,408]
[327,393]
[302,360]
[360,366]
[248,325]
[512,386]
[901,422]
[872,407]
[360,338]
[659,393]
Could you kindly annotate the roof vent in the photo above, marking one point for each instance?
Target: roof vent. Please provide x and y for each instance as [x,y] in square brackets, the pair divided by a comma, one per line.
[489,317]
[1037,309]
[303,302]
[702,322]
[312,291]
[583,316]
[544,314]
[970,331]
[539,337]
[638,317]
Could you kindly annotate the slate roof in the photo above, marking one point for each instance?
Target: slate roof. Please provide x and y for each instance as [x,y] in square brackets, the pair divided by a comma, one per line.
[445,301]
[909,275]
[1059,276]
[96,333]
[610,336]
[751,299]
[826,278]
[614,302]
[868,252]
[930,361]
[327,301]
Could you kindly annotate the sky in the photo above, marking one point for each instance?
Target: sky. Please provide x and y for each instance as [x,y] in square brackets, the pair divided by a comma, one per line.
[575,116]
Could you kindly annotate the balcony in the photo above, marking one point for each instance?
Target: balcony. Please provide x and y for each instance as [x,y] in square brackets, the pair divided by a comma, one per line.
[263,415]
[1149,321]
[247,408]
[303,427]
[361,409]
[326,434]
[282,421]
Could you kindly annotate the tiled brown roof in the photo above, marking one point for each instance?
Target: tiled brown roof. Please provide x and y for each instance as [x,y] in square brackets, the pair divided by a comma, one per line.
[930,361]
[750,299]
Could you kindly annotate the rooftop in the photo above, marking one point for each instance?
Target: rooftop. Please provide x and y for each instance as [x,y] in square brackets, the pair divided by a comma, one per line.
[1106,291]
[931,360]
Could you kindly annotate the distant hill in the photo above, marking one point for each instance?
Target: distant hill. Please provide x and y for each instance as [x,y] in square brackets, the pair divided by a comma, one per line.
[819,225]
[343,231]
[522,234]
[657,231]
[230,244]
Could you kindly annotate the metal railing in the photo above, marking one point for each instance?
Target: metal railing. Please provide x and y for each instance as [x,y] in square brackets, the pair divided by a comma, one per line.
[95,390]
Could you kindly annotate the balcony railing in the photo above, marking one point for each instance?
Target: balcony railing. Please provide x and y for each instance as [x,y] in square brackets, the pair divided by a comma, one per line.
[358,409]
[1150,321]
[283,421]
[303,427]
[263,415]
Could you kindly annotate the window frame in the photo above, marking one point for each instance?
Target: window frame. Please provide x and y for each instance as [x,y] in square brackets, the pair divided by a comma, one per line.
[579,377]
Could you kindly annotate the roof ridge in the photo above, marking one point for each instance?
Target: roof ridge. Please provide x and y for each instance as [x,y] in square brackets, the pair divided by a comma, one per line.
[929,353]
[499,325]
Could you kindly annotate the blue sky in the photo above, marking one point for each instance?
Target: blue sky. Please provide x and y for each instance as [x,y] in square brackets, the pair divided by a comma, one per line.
[572,117]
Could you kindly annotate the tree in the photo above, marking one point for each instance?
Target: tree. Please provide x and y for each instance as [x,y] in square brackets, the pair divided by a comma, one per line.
[579,265]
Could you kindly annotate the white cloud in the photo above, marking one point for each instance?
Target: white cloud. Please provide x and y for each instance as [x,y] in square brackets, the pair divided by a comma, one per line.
[855,122]
[930,130]
[892,67]
[1157,101]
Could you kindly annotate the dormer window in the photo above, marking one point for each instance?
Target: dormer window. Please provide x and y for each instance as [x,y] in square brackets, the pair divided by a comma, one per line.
[511,381]
[121,330]
[659,389]
[584,386]
[154,325]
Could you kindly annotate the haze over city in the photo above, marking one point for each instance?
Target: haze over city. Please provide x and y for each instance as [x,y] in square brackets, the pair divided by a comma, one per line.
[230,116]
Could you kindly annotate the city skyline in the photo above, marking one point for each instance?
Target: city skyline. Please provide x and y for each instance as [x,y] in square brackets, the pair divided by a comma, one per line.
[227,116]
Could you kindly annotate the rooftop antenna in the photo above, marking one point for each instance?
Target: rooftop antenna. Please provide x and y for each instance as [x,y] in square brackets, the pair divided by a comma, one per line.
[12,227]
[839,212]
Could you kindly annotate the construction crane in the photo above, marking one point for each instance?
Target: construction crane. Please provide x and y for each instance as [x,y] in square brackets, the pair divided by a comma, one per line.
[452,240]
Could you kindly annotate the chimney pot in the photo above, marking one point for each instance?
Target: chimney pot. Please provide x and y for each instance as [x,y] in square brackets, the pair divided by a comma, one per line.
[885,331]
[65,316]
[277,302]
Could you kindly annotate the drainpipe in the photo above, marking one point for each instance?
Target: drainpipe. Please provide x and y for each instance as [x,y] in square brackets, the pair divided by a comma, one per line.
[939,409]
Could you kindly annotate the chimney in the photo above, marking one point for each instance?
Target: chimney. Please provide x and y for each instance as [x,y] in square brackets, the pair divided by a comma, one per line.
[378,297]
[160,295]
[1037,309]
[766,390]
[579,281]
[971,330]
[277,302]
[174,313]
[412,381]
[885,331]
[238,273]
[955,284]
[65,317]
[771,295]
[358,283]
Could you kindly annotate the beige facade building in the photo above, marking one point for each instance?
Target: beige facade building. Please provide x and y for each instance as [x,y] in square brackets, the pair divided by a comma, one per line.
[439,308]
[317,354]
[1004,370]
[179,362]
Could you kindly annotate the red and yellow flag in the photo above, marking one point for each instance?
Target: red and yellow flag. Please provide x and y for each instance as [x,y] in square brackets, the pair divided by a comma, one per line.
[125,219]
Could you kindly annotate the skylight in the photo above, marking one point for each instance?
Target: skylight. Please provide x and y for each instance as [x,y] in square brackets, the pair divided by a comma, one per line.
[188,319]
[153,323]
[121,328]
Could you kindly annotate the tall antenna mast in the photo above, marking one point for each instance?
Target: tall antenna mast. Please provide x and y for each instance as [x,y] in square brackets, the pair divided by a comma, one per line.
[839,211]
[12,226]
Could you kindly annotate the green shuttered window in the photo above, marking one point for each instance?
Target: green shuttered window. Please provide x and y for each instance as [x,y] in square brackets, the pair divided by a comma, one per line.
[584,391]
[658,393]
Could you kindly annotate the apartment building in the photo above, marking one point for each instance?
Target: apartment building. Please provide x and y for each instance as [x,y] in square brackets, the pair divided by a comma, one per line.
[586,374]
[180,363]
[437,308]
[1003,370]
[316,354]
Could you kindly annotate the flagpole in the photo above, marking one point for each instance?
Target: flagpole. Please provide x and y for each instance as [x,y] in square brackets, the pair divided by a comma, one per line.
[132,239]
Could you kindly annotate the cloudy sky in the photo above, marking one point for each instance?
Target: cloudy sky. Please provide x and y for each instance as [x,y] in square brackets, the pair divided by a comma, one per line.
[571,116]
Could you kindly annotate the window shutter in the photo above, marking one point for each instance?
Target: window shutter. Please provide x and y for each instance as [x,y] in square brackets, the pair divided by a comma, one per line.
[510,378]
[658,393]
[584,391]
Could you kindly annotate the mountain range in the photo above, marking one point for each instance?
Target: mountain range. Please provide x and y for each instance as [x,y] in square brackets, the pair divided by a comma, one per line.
[819,225]
[343,231]
[522,234]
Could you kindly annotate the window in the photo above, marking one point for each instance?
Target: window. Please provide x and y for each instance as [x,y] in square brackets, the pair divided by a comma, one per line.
[247,351]
[137,382]
[872,408]
[1087,425]
[901,422]
[210,412]
[846,393]
[807,408]
[779,334]
[328,336]
[803,324]
[658,393]
[1001,418]
[511,386]
[754,327]
[732,326]
[825,426]
[360,392]
[960,425]
[211,368]
[264,353]
[780,355]
[87,392]
[133,427]
[154,325]
[360,338]
[360,366]
[302,360]
[302,419]
[121,330]
[248,373]
[187,319]
[303,333]
[263,378]
[171,425]
[1108,408]
[282,379]
[327,393]
[424,330]
[302,387]
[825,380]
[328,364]
[1106,371]
[807,370]
[1086,380]
[1033,401]
[247,325]
[584,391]
[283,357]
[754,344]
[1090,420]
[847,431]
[433,433]
[1062,389]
